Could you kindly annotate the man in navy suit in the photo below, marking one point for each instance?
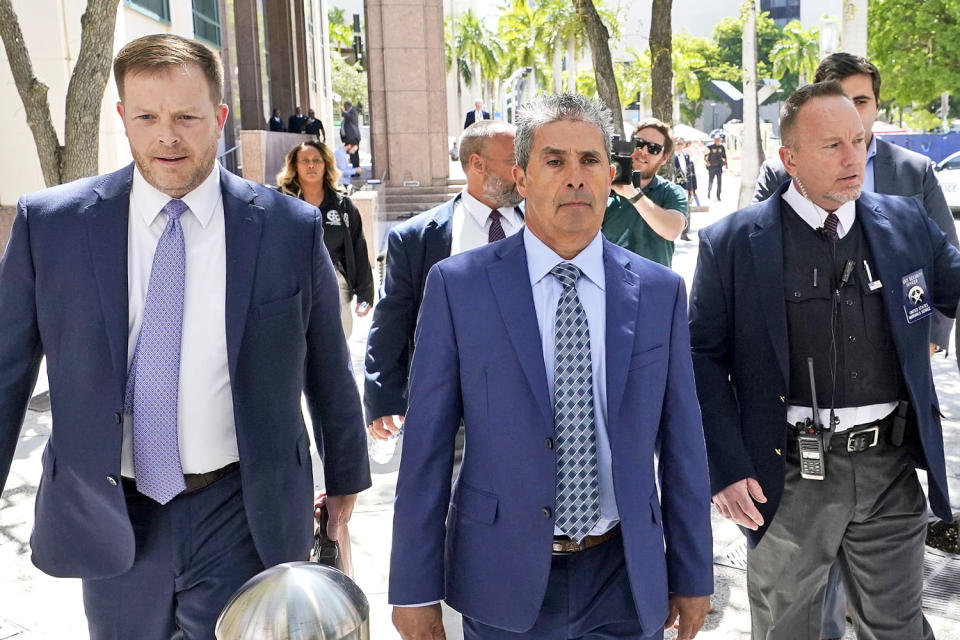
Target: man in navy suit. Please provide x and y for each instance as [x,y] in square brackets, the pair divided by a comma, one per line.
[566,359]
[822,281]
[476,114]
[486,210]
[182,311]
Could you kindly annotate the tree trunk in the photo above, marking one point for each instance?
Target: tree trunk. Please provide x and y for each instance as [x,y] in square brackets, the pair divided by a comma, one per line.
[557,70]
[602,62]
[751,153]
[571,65]
[79,156]
[661,65]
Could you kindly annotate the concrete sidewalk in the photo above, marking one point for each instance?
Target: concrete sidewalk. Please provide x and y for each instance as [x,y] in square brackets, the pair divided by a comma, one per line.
[35,606]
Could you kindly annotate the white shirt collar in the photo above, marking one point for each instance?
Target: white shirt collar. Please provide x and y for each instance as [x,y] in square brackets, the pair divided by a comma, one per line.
[147,200]
[814,215]
[481,212]
[541,259]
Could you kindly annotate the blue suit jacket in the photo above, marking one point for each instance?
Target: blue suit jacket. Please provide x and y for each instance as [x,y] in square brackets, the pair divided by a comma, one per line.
[413,246]
[479,360]
[63,294]
[472,117]
[738,327]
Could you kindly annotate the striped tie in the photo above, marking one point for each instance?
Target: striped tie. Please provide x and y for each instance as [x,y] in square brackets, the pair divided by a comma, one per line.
[496,228]
[830,225]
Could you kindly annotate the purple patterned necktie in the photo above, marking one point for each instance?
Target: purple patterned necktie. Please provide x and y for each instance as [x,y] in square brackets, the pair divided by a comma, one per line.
[496,228]
[154,378]
[830,226]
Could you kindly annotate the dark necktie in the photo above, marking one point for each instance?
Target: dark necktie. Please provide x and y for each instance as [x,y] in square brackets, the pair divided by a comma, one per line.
[496,229]
[830,226]
[154,379]
[578,490]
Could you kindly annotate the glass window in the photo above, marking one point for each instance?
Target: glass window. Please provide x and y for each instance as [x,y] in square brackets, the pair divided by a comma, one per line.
[159,9]
[206,21]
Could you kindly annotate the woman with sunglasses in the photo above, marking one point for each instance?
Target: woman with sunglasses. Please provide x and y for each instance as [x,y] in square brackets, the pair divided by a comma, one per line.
[309,173]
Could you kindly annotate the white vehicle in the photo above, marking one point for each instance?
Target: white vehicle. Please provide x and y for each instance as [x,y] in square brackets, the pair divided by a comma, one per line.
[948,171]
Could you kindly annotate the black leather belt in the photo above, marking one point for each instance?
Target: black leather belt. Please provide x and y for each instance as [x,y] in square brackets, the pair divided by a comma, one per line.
[194,481]
[563,545]
[862,437]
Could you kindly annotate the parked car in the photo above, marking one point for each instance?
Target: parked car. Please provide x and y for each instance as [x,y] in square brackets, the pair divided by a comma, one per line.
[948,171]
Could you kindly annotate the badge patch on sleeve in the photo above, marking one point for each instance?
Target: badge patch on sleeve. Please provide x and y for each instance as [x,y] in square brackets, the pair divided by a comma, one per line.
[916,299]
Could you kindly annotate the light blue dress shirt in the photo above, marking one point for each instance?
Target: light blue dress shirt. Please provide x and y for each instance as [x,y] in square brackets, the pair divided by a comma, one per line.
[591,291]
[868,173]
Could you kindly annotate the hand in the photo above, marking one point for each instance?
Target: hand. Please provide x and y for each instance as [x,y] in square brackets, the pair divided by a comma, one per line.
[363,308]
[419,623]
[624,190]
[358,170]
[933,349]
[339,508]
[385,427]
[691,611]
[736,503]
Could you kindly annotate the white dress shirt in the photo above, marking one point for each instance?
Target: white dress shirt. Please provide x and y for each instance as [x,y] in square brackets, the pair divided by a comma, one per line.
[471,223]
[591,291]
[207,434]
[848,416]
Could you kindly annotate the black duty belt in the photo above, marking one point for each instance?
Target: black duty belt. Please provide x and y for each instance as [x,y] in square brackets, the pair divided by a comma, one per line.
[563,545]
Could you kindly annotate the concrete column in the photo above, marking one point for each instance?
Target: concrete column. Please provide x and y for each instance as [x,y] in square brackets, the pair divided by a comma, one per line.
[249,50]
[304,98]
[408,98]
[854,37]
[282,69]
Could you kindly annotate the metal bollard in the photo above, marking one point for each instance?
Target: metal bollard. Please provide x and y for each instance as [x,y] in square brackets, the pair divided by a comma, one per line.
[296,601]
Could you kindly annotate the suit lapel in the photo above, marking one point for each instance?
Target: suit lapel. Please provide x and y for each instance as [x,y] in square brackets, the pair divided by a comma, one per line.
[107,221]
[766,244]
[622,301]
[510,281]
[437,237]
[243,222]
[884,171]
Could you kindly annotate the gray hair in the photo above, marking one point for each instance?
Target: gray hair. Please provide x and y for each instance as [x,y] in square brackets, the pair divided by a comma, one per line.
[474,138]
[549,108]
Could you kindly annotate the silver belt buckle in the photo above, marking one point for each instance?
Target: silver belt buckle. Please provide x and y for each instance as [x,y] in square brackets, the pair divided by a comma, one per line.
[854,441]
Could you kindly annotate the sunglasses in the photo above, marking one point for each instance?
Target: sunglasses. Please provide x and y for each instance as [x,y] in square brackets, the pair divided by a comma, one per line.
[652,147]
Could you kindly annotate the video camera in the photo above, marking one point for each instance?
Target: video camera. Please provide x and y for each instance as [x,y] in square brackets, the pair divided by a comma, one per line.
[621,159]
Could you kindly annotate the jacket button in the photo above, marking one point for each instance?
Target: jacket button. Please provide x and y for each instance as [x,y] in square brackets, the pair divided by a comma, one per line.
[549,443]
[119,417]
[783,399]
[849,303]
[112,480]
[853,375]
[853,338]
[547,512]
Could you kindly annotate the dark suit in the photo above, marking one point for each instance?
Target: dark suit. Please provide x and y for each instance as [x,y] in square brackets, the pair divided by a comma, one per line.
[63,294]
[738,327]
[898,172]
[472,117]
[479,360]
[413,246]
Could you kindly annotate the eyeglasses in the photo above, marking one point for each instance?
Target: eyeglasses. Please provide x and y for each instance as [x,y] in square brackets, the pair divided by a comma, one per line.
[652,147]
[310,162]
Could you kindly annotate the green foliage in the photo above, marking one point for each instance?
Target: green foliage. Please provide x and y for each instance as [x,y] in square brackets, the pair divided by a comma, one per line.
[727,58]
[916,46]
[921,120]
[341,33]
[349,81]
[797,52]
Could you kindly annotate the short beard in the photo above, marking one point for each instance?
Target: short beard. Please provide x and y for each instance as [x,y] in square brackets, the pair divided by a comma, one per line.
[500,192]
[842,197]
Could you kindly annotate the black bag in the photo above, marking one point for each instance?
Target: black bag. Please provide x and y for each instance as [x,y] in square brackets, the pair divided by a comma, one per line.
[325,551]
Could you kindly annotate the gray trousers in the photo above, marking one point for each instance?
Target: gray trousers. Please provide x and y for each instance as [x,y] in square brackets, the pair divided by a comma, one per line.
[870,515]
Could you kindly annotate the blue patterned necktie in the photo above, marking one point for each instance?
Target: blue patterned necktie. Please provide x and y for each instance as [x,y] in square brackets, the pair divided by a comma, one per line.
[578,492]
[154,378]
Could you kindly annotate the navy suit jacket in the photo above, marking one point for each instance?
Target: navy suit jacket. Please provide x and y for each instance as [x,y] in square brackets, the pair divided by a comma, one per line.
[413,246]
[738,327]
[897,172]
[472,117]
[63,294]
[479,360]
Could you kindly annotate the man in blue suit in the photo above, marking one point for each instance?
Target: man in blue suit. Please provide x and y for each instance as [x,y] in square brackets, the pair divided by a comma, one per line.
[477,114]
[485,211]
[182,311]
[813,308]
[566,359]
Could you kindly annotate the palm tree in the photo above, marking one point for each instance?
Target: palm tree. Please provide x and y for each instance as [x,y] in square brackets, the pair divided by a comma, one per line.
[521,32]
[797,51]
[752,151]
[599,37]
[470,44]
[661,60]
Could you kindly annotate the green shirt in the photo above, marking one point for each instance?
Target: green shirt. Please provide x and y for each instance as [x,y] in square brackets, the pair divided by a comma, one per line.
[622,224]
